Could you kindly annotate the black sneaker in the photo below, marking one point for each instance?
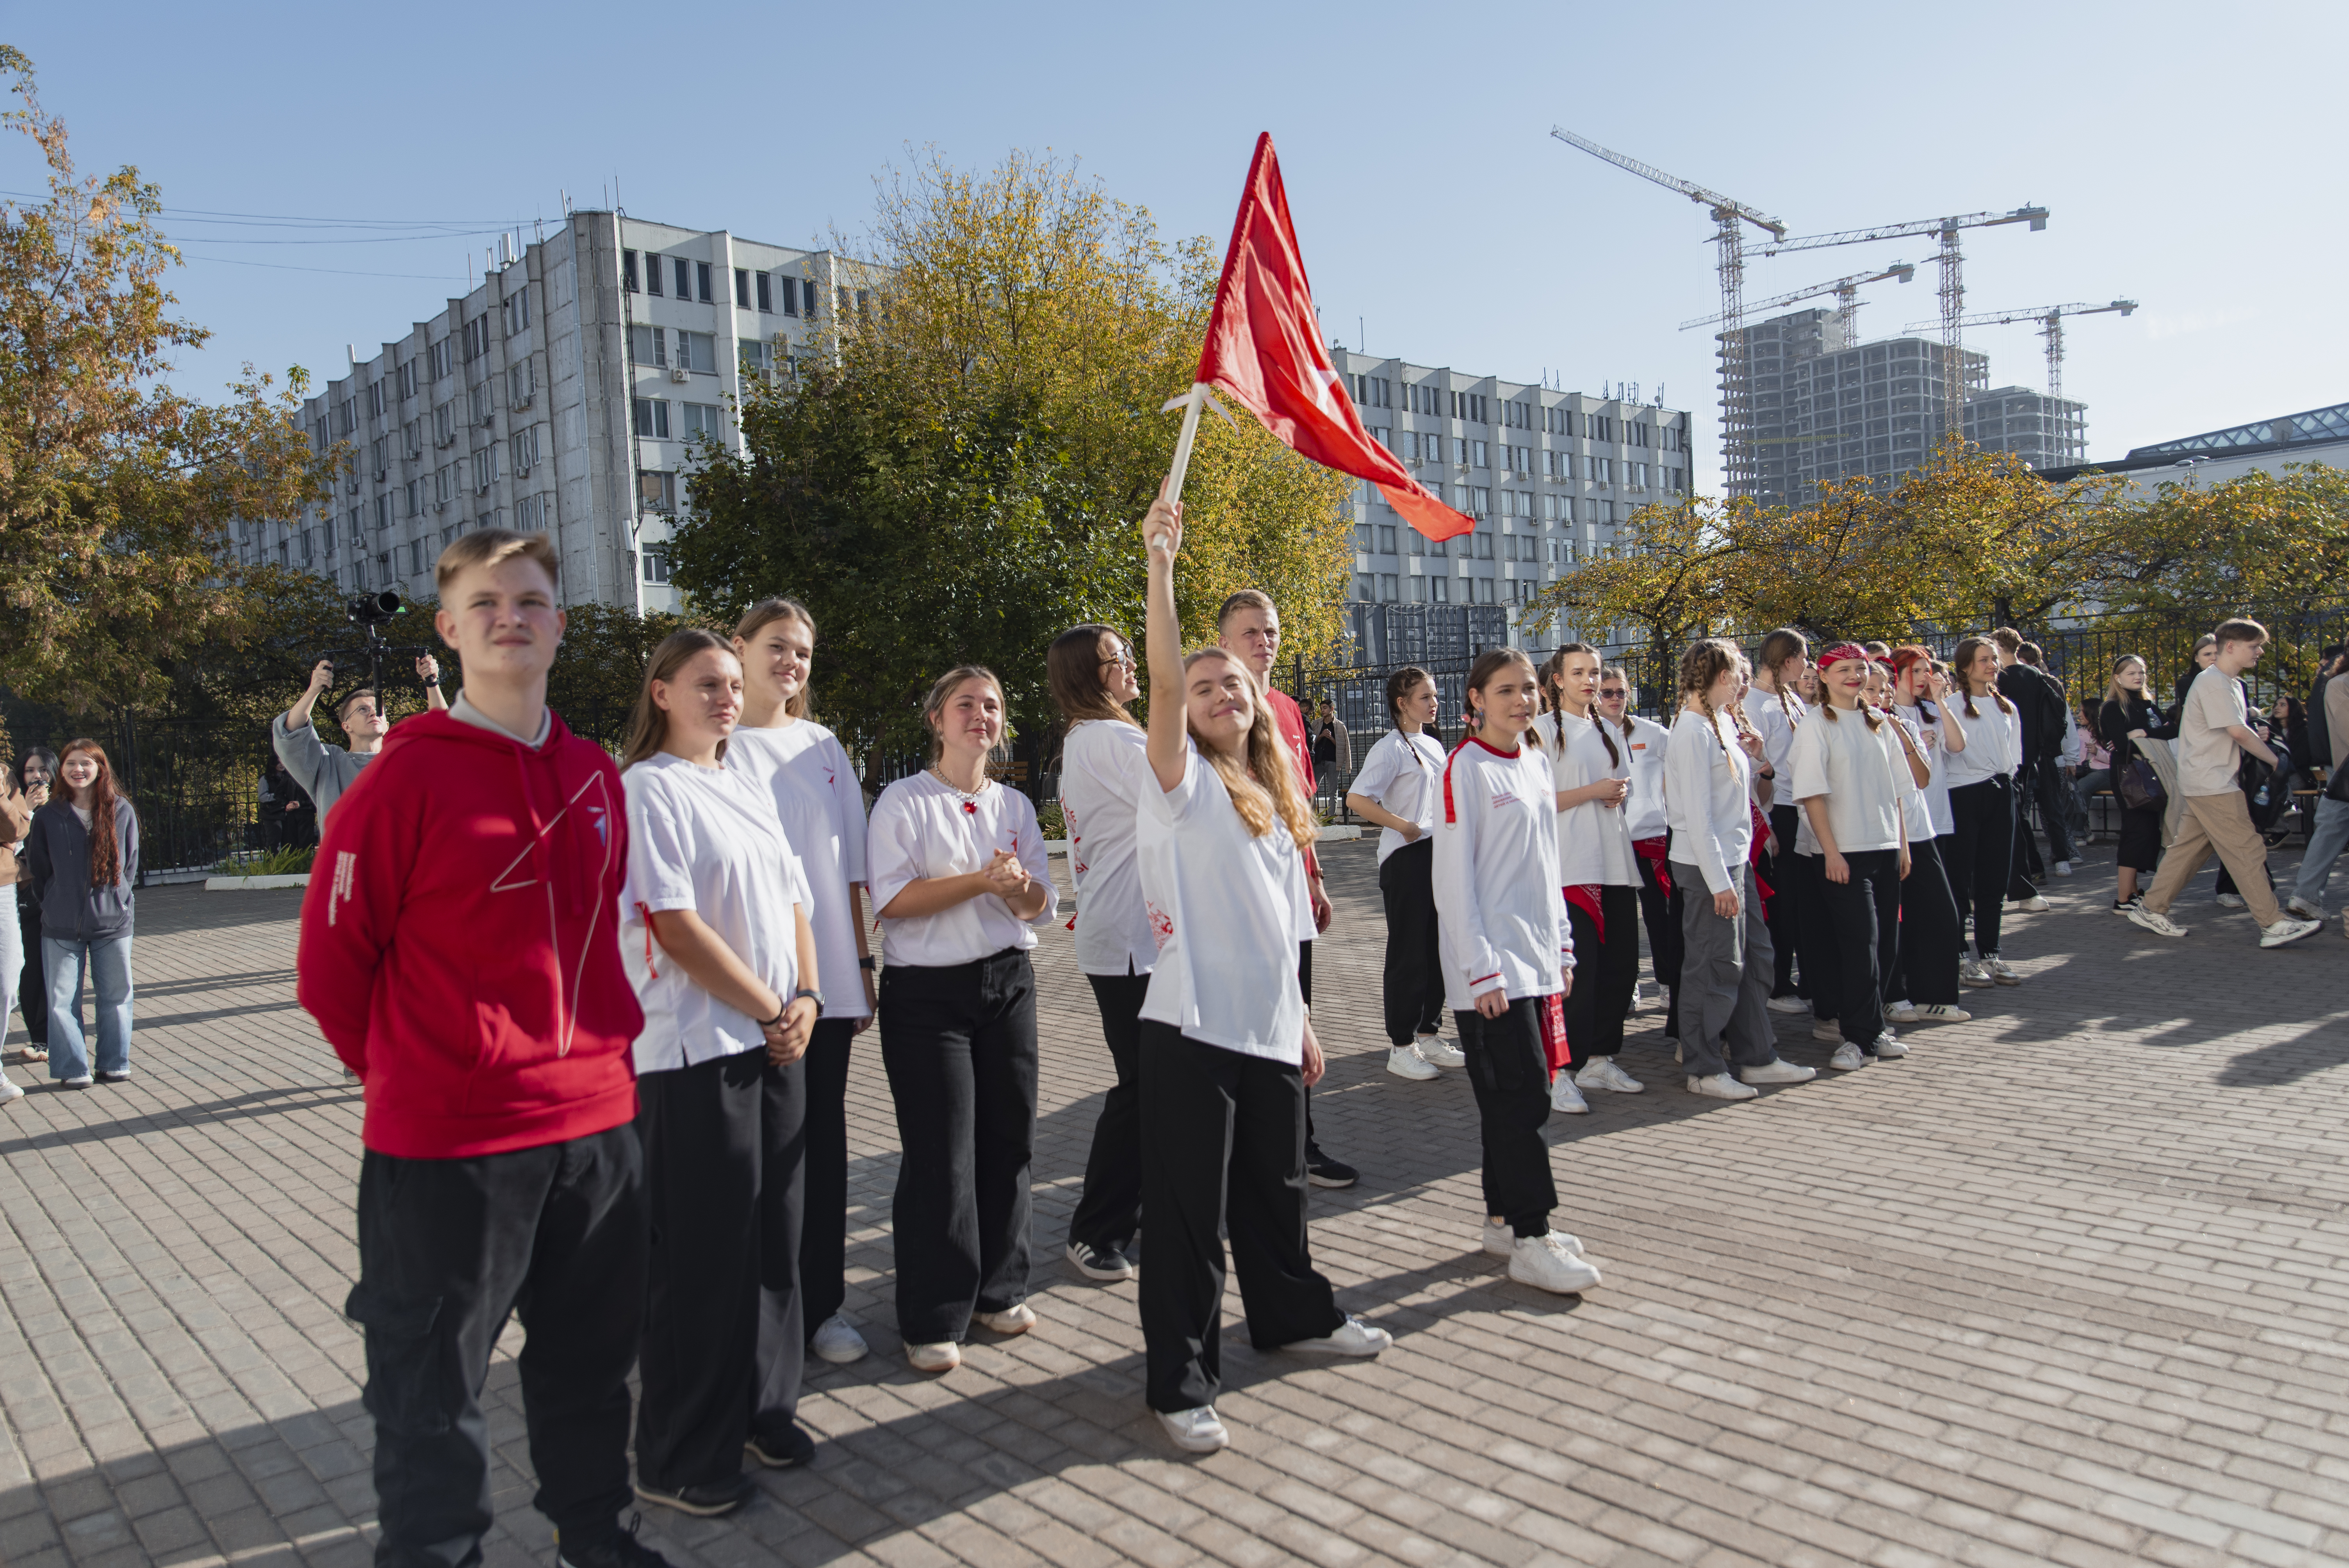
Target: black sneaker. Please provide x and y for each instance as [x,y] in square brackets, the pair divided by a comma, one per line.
[615,1548]
[1106,1262]
[706,1501]
[1324,1171]
[782,1451]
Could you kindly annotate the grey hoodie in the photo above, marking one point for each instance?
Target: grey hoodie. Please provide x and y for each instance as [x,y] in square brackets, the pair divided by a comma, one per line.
[324,770]
[57,857]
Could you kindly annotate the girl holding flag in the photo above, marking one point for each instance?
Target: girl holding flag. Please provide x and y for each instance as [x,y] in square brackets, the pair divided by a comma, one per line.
[1597,873]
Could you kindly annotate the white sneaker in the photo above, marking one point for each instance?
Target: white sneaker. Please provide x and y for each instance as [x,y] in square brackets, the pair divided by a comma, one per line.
[1787,1004]
[1903,1012]
[1972,973]
[1351,1337]
[1778,1069]
[2303,908]
[1602,1072]
[2031,905]
[2288,930]
[9,1090]
[1010,1320]
[1720,1086]
[1196,1432]
[1405,1062]
[1941,1013]
[2231,900]
[1676,1045]
[1544,1263]
[1441,1051]
[1500,1241]
[2062,868]
[837,1341]
[1889,1048]
[1848,1059]
[2001,971]
[2145,919]
[1640,1001]
[1828,1030]
[942,1357]
[1564,1096]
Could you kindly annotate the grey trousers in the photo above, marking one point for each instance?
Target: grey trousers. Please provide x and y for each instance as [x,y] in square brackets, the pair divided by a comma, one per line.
[1725,977]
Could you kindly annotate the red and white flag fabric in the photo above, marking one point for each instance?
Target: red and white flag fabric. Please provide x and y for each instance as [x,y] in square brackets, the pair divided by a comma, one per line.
[1263,348]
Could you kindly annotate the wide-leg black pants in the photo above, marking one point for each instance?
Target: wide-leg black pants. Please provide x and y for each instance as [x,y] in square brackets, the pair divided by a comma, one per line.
[1509,1072]
[1414,966]
[1605,974]
[823,1219]
[1110,1207]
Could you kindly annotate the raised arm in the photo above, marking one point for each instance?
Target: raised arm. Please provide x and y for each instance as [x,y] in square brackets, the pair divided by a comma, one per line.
[1162,531]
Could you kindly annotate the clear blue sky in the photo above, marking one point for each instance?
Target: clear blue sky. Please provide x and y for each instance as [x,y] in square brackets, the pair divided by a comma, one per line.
[2185,150]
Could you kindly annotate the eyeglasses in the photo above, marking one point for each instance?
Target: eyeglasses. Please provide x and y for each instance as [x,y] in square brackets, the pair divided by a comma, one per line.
[1123,660]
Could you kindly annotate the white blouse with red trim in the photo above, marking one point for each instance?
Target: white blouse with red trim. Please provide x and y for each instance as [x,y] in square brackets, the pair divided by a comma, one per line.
[1500,918]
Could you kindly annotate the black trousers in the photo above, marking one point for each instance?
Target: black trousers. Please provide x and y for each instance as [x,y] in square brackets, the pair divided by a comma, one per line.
[1305,986]
[1855,930]
[1786,889]
[448,1248]
[959,1043]
[1667,947]
[1111,1207]
[2026,871]
[823,1220]
[1606,975]
[1414,966]
[1983,857]
[1223,1149]
[1925,968]
[33,985]
[2054,793]
[724,1347]
[1510,1074]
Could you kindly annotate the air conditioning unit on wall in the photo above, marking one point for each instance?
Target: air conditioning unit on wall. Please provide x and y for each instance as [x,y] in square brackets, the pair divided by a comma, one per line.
[679,373]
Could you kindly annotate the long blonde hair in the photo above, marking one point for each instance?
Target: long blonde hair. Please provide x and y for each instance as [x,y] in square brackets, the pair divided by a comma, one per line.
[1264,788]
[1703,662]
[934,706]
[756,619]
[648,725]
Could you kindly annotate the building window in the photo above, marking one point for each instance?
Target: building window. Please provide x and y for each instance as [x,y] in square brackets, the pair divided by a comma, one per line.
[1386,539]
[526,450]
[684,277]
[530,514]
[791,296]
[652,418]
[1439,590]
[742,288]
[697,351]
[756,357]
[701,419]
[766,295]
[628,271]
[444,423]
[414,492]
[655,562]
[436,360]
[648,345]
[382,512]
[516,310]
[522,382]
[484,402]
[485,469]
[658,489]
[1387,583]
[1479,451]
[477,337]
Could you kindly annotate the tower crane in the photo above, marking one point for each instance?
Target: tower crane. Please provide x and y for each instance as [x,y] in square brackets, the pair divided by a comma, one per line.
[2050,318]
[1953,291]
[1847,292]
[1729,214]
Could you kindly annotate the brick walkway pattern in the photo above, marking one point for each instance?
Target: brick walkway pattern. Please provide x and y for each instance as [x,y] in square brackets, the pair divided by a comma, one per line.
[2065,1286]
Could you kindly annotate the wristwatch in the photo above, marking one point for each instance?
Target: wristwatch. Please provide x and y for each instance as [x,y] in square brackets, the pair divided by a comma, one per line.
[815,996]
[865,963]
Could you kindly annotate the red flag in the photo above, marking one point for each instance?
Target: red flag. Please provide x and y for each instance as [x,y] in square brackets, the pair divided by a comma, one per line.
[1263,348]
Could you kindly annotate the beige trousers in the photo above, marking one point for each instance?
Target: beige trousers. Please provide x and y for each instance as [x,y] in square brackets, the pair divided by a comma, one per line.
[2220,824]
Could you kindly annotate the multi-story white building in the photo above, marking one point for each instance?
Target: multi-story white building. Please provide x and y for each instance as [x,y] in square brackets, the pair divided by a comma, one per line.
[1550,477]
[563,395]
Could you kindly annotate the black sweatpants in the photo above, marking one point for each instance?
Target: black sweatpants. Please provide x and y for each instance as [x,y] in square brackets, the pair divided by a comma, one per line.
[1111,1207]
[1606,975]
[2054,793]
[448,1248]
[724,1347]
[1982,842]
[2025,871]
[1305,986]
[1414,966]
[33,985]
[1786,889]
[1223,1149]
[1509,1071]
[823,1218]
[1667,947]
[1925,969]
[960,1044]
[1860,921]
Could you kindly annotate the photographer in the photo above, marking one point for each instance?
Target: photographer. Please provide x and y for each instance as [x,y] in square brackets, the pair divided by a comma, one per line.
[325,771]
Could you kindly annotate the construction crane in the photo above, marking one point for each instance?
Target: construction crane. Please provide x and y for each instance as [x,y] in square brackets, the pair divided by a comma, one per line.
[1736,384]
[2050,318]
[1847,292]
[1953,293]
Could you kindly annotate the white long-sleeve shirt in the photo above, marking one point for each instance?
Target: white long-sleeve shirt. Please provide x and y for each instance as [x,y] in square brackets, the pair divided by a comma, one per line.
[1706,804]
[1104,769]
[1775,722]
[1643,813]
[1594,841]
[1500,917]
[1860,771]
[1993,741]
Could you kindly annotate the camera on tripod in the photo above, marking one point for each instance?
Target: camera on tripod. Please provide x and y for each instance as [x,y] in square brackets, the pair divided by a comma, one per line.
[374,609]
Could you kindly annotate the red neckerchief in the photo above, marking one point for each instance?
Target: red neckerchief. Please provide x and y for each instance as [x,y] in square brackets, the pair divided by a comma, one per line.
[1555,1048]
[1450,816]
[1761,833]
[1584,896]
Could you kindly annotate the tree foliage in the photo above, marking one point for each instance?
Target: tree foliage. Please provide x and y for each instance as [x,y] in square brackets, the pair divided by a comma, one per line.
[116,491]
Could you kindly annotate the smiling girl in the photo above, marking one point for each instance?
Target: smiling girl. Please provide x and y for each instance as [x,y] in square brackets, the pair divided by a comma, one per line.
[1396,790]
[1598,871]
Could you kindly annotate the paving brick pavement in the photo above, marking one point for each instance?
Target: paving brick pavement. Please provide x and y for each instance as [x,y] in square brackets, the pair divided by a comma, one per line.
[2065,1286]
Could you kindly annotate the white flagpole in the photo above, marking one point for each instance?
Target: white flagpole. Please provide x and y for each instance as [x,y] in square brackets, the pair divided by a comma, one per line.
[1191,403]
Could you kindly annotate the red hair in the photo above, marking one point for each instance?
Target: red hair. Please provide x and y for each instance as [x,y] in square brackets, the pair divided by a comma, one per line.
[104,848]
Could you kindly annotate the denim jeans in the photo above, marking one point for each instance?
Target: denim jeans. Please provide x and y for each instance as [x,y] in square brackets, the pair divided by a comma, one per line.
[12,965]
[107,962]
[2325,846]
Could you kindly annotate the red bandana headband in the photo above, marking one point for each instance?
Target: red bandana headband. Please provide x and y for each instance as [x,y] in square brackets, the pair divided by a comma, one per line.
[1842,651]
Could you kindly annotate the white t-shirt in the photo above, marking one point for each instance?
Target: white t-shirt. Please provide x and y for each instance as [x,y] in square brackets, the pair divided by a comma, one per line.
[1841,757]
[821,806]
[1500,917]
[1104,769]
[1775,720]
[1594,840]
[707,839]
[2209,760]
[922,829]
[1993,740]
[1934,797]
[1706,804]
[1229,911]
[1643,813]
[1404,774]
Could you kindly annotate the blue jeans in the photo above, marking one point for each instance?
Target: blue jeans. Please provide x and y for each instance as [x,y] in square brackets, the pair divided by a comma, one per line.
[12,962]
[2325,846]
[107,962]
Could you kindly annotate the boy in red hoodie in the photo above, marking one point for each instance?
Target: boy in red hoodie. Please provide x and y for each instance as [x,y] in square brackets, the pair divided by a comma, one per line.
[459,951]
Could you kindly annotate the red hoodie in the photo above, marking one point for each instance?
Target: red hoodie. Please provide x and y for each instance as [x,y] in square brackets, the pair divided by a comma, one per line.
[460,944]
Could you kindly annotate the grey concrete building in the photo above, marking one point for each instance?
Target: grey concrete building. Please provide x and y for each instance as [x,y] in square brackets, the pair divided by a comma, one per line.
[1550,477]
[559,395]
[2319,437]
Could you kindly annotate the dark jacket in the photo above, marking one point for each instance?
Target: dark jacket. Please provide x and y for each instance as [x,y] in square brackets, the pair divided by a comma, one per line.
[58,856]
[2041,704]
[2116,719]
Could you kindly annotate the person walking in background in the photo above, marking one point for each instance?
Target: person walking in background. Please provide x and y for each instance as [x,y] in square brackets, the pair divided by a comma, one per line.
[2057,750]
[715,932]
[2023,689]
[325,772]
[2127,716]
[779,746]
[959,877]
[1397,792]
[15,825]
[37,771]
[2330,835]
[1597,872]
[1333,748]
[1104,769]
[1777,711]
[83,854]
[1645,821]
[2214,730]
